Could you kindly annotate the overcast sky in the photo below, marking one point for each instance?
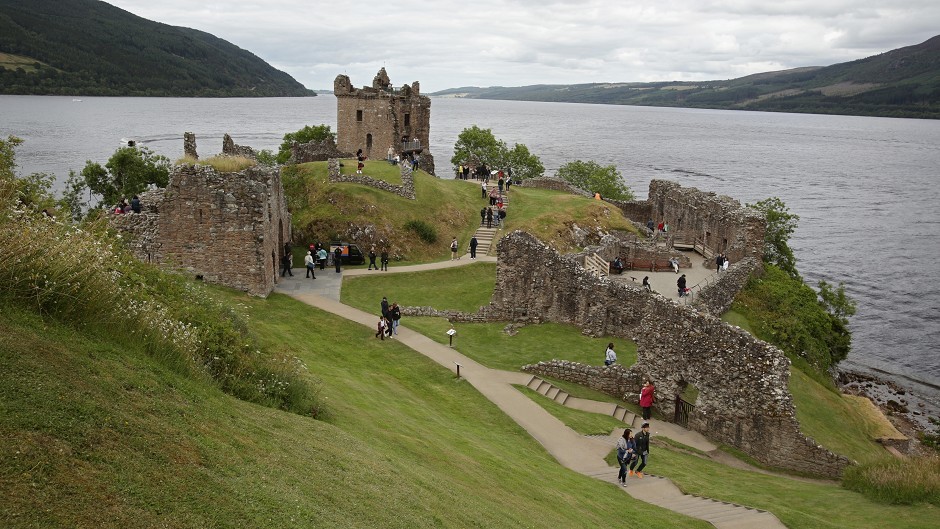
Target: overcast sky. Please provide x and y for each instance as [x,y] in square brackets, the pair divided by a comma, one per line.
[447,44]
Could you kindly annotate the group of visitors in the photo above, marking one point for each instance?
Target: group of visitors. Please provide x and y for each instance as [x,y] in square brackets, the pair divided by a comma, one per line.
[125,207]
[656,229]
[681,285]
[383,259]
[388,321]
[632,450]
[488,216]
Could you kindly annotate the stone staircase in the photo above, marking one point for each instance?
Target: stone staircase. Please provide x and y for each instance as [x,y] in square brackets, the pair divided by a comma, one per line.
[486,237]
[560,396]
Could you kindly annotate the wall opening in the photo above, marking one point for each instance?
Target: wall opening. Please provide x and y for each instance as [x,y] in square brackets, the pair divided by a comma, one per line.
[407,119]
[358,115]
[368,143]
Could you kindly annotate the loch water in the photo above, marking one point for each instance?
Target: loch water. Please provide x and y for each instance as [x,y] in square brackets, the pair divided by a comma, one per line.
[866,189]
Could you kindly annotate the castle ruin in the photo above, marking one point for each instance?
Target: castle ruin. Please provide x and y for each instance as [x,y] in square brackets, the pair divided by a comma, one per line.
[227,228]
[374,118]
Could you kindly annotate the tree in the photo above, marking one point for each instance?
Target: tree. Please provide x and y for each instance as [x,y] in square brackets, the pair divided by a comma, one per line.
[71,200]
[128,172]
[522,163]
[595,178]
[304,135]
[32,191]
[840,307]
[780,226]
[476,145]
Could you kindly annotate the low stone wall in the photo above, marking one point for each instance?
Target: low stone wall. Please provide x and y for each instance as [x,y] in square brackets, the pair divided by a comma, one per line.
[639,211]
[717,297]
[315,151]
[406,190]
[744,398]
[614,380]
[555,184]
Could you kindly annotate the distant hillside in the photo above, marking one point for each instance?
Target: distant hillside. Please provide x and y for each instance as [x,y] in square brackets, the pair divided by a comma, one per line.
[87,47]
[899,83]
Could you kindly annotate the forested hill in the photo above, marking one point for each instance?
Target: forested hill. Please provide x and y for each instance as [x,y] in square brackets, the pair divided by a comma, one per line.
[901,83]
[87,47]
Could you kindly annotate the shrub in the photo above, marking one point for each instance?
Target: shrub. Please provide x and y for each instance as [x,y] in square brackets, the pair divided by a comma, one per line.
[595,178]
[423,230]
[304,135]
[898,481]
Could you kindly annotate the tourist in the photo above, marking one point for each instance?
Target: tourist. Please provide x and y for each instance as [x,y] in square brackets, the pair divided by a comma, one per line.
[674,262]
[494,196]
[308,262]
[384,259]
[665,228]
[338,257]
[396,317]
[489,217]
[501,214]
[391,155]
[642,442]
[322,256]
[725,262]
[500,183]
[482,216]
[646,283]
[625,449]
[466,172]
[483,186]
[372,256]
[681,284]
[287,262]
[719,261]
[453,249]
[384,307]
[659,227]
[610,357]
[650,226]
[647,397]
[473,247]
[135,204]
[414,162]
[380,328]
[617,266]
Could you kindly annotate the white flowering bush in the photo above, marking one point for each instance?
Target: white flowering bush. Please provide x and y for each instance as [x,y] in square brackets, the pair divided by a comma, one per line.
[84,276]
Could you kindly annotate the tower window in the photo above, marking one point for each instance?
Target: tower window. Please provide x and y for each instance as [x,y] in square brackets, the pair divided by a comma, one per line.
[407,119]
[358,115]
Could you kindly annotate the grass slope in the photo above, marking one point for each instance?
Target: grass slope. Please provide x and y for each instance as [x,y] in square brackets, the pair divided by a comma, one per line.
[464,288]
[97,433]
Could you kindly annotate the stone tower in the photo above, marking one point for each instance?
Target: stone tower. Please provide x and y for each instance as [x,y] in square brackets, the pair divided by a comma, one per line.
[378,117]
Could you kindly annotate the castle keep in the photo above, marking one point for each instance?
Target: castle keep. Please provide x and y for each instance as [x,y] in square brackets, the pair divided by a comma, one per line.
[378,117]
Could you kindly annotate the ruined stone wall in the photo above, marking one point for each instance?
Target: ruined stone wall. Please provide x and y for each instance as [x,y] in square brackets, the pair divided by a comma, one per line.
[743,395]
[230,148]
[229,228]
[555,184]
[635,210]
[406,189]
[717,297]
[315,151]
[189,145]
[721,221]
[614,380]
[377,117]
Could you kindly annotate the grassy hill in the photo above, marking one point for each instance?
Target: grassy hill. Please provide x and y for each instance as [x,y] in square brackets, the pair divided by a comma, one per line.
[327,211]
[900,83]
[88,47]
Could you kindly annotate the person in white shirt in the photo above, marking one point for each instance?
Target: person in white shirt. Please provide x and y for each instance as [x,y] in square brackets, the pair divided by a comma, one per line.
[611,356]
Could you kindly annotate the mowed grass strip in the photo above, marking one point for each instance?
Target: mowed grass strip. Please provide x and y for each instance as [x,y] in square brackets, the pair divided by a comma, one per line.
[489,344]
[464,288]
[582,422]
[376,169]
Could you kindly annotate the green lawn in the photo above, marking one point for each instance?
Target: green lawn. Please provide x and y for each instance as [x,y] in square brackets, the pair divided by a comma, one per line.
[377,169]
[464,288]
[488,344]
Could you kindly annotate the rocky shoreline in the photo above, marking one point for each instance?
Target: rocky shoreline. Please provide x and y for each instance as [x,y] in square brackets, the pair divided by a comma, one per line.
[909,412]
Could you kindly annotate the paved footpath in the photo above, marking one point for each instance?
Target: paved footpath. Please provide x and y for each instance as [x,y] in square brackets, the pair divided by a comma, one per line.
[579,453]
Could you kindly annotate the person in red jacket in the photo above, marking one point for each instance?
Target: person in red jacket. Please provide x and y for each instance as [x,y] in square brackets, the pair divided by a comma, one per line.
[646,399]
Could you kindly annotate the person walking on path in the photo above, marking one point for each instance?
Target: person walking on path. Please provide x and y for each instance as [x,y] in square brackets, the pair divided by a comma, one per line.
[483,186]
[646,284]
[384,259]
[473,247]
[308,262]
[380,328]
[642,441]
[500,183]
[625,449]
[337,257]
[372,257]
[482,216]
[453,249]
[489,217]
[647,396]
[719,261]
[395,312]
[322,255]
[610,357]
[384,306]
[681,284]
[286,265]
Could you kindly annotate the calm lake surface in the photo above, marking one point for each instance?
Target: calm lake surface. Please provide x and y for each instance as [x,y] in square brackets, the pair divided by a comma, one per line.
[866,189]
